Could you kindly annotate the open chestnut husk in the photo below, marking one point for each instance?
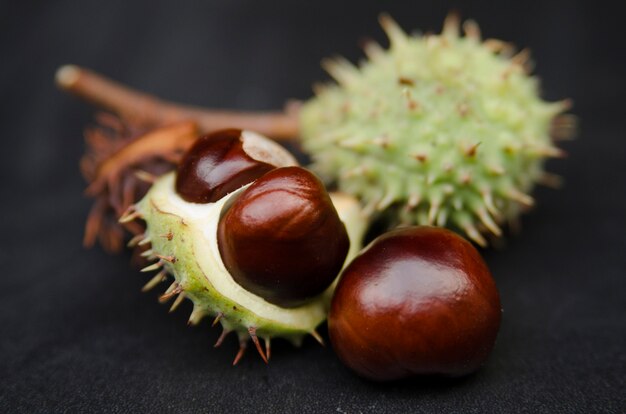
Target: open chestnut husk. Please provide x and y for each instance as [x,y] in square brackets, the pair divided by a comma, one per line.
[282,238]
[416,301]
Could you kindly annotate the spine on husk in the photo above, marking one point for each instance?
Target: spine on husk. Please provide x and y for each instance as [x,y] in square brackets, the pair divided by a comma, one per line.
[183,246]
[443,130]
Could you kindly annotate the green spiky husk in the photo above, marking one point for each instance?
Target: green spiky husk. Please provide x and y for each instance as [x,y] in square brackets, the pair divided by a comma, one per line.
[183,243]
[439,129]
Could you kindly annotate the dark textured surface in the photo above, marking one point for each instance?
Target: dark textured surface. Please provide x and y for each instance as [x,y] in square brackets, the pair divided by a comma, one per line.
[77,336]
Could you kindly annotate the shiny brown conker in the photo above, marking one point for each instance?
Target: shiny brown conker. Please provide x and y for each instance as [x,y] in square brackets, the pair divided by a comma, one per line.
[282,238]
[221,162]
[416,301]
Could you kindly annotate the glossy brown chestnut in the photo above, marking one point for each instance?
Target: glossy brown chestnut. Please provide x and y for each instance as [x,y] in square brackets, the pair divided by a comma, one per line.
[221,162]
[416,301]
[282,238]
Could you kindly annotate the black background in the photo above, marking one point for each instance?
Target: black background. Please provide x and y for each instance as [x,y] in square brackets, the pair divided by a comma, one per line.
[76,333]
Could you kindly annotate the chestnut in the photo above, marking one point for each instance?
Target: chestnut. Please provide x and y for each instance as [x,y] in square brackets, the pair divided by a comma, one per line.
[416,301]
[282,238]
[221,162]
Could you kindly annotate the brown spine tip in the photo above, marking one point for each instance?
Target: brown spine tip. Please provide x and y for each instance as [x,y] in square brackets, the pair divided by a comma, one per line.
[412,105]
[169,259]
[172,291]
[473,233]
[268,348]
[257,344]
[553,152]
[522,198]
[406,81]
[564,127]
[522,57]
[221,338]
[471,29]
[317,337]
[550,180]
[169,236]
[462,109]
[452,24]
[471,151]
[242,350]
[466,178]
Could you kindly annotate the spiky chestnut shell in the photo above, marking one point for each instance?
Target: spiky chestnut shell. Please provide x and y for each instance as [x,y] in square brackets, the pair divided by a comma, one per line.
[438,129]
[183,241]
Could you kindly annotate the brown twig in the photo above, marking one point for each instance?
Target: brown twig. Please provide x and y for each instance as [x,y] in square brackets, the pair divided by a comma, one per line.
[144,109]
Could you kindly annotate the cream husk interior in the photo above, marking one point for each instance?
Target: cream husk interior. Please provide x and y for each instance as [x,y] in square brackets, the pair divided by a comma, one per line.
[198,268]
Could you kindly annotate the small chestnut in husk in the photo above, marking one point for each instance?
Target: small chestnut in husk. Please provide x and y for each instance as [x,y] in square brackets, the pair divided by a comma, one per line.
[221,162]
[416,301]
[282,238]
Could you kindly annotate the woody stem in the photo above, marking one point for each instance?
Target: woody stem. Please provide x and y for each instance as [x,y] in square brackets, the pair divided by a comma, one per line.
[146,109]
